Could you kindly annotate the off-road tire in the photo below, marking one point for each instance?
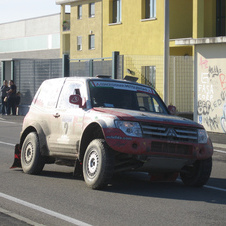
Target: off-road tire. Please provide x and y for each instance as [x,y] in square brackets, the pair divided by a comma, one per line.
[198,173]
[98,164]
[31,160]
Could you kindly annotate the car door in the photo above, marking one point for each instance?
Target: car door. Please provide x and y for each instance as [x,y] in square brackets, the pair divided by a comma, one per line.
[68,119]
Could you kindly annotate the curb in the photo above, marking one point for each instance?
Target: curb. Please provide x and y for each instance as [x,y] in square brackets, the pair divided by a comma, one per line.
[7,217]
[221,146]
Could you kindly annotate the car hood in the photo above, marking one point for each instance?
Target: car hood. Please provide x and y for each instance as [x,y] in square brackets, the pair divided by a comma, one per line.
[142,116]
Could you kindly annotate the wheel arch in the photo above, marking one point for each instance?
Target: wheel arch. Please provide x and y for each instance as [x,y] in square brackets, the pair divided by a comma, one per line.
[41,137]
[91,132]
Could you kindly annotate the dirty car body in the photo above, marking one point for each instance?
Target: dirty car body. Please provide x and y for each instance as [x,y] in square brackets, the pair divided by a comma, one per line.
[101,126]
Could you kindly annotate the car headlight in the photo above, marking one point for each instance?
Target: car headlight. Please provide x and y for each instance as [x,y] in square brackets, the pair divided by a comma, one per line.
[202,136]
[129,128]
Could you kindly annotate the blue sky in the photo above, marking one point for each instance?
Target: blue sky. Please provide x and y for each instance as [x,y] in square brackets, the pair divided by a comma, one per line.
[13,10]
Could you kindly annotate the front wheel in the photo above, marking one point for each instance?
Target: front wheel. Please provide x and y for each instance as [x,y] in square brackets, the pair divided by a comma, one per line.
[198,173]
[98,164]
[31,160]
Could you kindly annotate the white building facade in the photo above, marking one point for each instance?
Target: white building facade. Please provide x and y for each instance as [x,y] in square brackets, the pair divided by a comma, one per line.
[35,38]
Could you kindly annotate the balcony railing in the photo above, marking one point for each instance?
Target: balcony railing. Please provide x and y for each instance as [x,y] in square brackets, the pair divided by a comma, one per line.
[66,25]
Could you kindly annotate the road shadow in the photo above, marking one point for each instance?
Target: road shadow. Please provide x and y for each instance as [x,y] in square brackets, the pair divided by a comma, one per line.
[139,184]
[66,174]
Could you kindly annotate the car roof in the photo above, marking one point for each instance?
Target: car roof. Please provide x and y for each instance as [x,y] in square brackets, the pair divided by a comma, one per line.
[100,78]
[104,78]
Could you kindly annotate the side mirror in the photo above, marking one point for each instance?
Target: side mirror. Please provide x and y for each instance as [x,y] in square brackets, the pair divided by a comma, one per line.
[172,109]
[76,99]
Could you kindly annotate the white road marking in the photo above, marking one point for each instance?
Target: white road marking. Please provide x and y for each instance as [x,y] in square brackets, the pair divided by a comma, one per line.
[1,142]
[220,151]
[44,210]
[8,122]
[215,188]
[206,186]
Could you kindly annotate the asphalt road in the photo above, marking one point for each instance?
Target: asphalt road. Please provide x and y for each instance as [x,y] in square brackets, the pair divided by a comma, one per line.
[56,198]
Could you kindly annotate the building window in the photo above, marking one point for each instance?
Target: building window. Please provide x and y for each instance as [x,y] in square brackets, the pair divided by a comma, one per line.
[116,11]
[220,20]
[79,43]
[150,75]
[92,9]
[91,41]
[150,9]
[79,12]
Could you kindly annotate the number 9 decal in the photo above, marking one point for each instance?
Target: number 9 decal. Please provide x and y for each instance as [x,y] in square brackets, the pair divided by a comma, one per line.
[65,128]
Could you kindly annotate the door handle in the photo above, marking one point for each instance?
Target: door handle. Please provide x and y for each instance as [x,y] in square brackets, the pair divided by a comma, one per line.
[57,115]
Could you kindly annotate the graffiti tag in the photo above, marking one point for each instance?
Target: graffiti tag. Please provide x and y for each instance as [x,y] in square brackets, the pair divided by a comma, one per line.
[223,81]
[203,63]
[211,122]
[204,107]
[214,71]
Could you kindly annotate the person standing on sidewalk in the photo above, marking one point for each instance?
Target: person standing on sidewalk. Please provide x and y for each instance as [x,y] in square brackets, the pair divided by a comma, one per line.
[4,90]
[11,98]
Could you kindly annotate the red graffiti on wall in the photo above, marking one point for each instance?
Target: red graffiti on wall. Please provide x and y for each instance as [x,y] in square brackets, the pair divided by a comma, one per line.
[203,63]
[222,78]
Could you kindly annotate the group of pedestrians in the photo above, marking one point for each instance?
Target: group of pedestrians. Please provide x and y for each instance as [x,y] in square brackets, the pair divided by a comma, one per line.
[9,98]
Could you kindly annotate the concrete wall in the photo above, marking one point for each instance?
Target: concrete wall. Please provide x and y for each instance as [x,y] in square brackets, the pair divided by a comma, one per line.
[36,34]
[210,74]
[38,54]
[31,27]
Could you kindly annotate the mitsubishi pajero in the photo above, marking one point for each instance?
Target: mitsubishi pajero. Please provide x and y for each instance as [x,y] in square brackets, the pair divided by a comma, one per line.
[101,126]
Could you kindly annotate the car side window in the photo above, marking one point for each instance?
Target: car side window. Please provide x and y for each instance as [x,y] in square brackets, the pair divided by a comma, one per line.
[149,103]
[69,88]
[48,94]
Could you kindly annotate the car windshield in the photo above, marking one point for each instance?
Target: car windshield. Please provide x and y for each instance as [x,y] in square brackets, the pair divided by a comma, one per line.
[125,96]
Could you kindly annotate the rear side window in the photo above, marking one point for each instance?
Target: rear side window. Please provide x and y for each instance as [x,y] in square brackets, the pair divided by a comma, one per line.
[48,93]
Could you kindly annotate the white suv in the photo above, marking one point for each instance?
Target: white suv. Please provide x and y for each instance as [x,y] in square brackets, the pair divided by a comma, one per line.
[101,126]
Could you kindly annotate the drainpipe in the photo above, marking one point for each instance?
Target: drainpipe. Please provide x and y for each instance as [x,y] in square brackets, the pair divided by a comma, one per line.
[12,70]
[195,114]
[115,56]
[166,53]
[2,71]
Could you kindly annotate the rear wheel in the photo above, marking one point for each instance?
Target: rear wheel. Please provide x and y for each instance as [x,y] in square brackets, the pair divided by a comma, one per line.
[31,160]
[198,173]
[98,164]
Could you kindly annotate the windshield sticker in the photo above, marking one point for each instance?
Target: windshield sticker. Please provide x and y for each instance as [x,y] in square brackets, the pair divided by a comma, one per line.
[124,86]
[108,105]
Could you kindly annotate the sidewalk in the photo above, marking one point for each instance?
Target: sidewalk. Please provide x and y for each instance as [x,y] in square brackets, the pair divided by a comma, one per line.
[6,219]
[10,218]
[218,139]
[12,118]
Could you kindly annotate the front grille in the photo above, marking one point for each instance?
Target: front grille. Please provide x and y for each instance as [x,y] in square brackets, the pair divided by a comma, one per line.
[172,133]
[171,149]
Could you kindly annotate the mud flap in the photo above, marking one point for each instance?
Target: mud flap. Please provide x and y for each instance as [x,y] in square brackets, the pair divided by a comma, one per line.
[78,170]
[17,157]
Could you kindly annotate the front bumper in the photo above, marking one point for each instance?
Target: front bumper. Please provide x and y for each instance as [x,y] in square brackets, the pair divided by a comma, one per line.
[119,142]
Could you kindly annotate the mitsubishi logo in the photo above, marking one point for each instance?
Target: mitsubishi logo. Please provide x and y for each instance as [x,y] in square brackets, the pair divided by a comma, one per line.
[171,133]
